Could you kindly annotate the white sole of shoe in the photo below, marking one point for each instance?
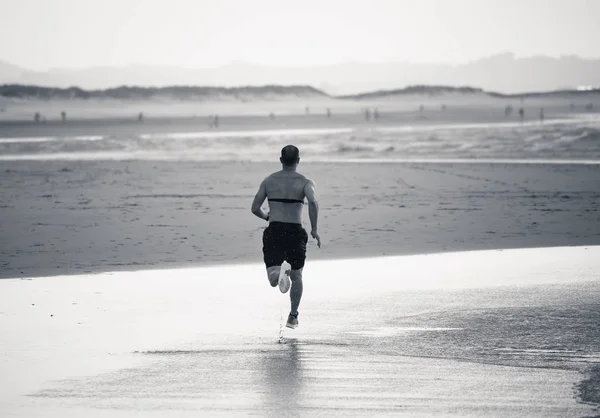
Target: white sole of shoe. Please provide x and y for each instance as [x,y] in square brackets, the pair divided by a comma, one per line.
[284,279]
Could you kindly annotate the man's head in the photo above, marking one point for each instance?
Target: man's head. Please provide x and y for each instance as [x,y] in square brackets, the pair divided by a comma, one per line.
[290,156]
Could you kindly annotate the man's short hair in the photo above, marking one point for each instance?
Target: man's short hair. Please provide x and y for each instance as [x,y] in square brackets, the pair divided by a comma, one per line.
[290,155]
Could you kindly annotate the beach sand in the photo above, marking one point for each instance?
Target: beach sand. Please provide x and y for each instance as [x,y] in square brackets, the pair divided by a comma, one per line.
[135,284]
[98,117]
[488,333]
[146,195]
[61,217]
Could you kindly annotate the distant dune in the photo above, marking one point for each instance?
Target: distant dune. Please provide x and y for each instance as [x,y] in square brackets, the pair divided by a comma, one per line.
[467,90]
[551,94]
[258,93]
[183,93]
[414,90]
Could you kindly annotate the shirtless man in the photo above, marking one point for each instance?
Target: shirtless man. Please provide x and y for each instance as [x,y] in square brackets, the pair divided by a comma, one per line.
[284,238]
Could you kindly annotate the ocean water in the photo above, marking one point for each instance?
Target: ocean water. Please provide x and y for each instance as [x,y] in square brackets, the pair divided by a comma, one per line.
[573,140]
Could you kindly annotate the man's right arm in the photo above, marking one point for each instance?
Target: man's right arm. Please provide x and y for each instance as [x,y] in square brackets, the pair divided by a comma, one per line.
[313,209]
[260,197]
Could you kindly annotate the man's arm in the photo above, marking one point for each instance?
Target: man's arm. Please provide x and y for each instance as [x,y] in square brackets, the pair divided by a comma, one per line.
[260,197]
[313,209]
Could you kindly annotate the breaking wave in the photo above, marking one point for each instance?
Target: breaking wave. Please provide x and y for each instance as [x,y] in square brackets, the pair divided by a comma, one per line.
[561,141]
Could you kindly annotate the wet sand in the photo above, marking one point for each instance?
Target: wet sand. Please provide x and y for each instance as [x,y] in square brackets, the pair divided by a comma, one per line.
[69,217]
[489,333]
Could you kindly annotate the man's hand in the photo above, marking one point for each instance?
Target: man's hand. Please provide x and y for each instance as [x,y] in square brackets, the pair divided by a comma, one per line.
[316,236]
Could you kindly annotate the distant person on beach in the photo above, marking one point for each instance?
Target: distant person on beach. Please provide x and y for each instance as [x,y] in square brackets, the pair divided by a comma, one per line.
[421,108]
[63,116]
[307,110]
[141,117]
[37,117]
[271,115]
[328,113]
[285,239]
[541,114]
[375,114]
[367,115]
[521,114]
[213,121]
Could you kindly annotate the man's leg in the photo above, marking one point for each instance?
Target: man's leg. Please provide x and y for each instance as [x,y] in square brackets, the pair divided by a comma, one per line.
[272,254]
[295,296]
[296,257]
[296,291]
[273,275]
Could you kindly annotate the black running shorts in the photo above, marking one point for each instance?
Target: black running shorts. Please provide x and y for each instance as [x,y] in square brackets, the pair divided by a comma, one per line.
[285,241]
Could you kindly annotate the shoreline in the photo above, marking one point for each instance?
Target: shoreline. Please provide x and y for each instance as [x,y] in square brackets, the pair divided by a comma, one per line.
[211,264]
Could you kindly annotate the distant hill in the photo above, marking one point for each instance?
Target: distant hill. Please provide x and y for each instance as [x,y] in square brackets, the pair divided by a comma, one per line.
[466,90]
[553,94]
[414,90]
[255,93]
[503,73]
[181,93]
[9,72]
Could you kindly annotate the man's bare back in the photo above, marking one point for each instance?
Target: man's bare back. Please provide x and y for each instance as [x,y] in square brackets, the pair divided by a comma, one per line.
[286,191]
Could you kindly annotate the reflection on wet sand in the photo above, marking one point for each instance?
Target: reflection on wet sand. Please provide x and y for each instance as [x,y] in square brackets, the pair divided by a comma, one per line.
[282,378]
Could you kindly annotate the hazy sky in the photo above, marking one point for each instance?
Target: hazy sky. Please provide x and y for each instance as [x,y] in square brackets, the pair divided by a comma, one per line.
[40,34]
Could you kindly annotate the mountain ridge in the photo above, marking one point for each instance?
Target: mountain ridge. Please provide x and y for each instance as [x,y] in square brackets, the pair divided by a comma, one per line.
[503,73]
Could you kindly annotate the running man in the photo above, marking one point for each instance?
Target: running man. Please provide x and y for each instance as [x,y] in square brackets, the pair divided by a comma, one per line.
[284,238]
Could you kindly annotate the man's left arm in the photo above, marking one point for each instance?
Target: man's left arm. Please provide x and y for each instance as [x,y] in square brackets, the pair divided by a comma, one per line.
[260,197]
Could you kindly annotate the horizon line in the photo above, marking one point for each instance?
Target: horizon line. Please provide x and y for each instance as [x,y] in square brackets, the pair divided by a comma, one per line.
[320,65]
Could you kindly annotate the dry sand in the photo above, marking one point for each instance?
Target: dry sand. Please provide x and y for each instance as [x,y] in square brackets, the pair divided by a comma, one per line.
[73,217]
